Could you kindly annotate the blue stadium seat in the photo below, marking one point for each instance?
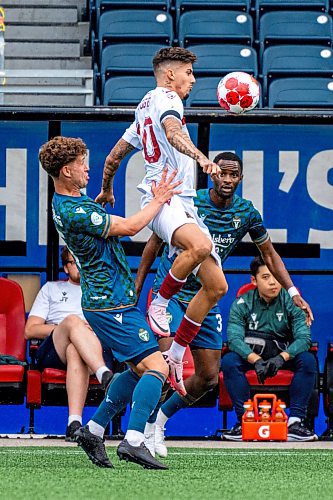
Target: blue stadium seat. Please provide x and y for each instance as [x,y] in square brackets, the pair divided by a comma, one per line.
[215,26]
[262,6]
[126,90]
[203,93]
[127,59]
[295,27]
[296,60]
[219,60]
[130,26]
[301,93]
[101,6]
[186,5]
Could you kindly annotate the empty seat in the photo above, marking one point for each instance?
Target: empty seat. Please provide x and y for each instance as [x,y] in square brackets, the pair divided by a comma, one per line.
[262,6]
[130,26]
[296,60]
[186,5]
[204,92]
[295,27]
[301,93]
[222,59]
[215,26]
[102,6]
[126,90]
[127,59]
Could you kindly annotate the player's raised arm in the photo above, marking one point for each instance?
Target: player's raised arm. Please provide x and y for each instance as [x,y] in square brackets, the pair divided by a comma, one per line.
[111,165]
[275,264]
[162,193]
[182,142]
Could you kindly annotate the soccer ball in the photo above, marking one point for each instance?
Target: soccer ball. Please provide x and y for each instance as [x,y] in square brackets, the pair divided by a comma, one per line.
[238,92]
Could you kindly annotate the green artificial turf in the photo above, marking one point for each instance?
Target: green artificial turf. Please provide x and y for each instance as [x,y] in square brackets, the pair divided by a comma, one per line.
[66,473]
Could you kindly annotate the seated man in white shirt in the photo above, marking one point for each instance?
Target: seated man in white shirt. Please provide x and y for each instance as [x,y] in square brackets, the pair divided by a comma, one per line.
[69,343]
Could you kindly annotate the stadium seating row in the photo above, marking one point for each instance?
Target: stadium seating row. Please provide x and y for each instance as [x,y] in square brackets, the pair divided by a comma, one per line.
[19,383]
[224,41]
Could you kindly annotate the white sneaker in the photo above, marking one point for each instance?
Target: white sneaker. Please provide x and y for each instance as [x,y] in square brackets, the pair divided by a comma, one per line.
[158,320]
[160,447]
[176,373]
[150,437]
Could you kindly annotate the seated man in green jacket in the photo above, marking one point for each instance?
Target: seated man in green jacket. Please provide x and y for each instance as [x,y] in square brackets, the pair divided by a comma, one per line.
[267,332]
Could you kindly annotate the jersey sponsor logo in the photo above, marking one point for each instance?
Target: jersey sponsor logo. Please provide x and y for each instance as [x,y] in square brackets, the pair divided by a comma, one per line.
[79,210]
[221,241]
[143,335]
[279,316]
[236,222]
[96,219]
[119,317]
[264,431]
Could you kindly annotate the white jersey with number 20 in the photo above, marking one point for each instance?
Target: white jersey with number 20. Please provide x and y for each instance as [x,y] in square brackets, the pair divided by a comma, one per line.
[147,133]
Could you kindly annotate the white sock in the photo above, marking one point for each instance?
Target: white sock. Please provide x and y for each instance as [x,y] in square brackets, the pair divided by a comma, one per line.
[134,438]
[292,420]
[95,428]
[177,351]
[73,418]
[160,301]
[149,428]
[100,371]
[161,419]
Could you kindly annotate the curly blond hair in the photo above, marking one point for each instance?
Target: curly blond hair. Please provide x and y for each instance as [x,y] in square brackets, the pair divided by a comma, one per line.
[60,151]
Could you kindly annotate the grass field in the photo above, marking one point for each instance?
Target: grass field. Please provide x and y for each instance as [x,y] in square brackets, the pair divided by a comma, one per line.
[65,472]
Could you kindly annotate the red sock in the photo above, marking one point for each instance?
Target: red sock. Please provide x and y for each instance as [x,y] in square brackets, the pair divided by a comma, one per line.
[186,332]
[170,286]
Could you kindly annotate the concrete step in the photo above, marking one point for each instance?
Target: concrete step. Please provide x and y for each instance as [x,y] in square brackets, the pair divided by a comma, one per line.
[38,50]
[18,63]
[43,100]
[76,32]
[40,16]
[44,3]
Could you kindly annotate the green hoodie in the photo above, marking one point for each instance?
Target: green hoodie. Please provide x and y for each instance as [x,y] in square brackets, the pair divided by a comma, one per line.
[280,317]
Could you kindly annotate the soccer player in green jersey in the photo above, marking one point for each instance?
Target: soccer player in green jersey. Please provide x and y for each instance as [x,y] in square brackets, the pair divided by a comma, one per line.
[109,297]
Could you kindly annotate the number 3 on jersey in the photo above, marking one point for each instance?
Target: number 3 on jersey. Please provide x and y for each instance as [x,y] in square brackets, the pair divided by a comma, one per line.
[150,145]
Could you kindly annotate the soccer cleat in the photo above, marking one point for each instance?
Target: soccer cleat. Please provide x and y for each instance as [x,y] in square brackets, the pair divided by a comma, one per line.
[139,455]
[158,321]
[71,428]
[299,432]
[235,433]
[106,380]
[93,446]
[176,373]
[150,438]
[160,447]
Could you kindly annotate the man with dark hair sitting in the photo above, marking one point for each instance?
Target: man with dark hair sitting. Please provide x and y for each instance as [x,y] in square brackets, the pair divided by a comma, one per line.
[267,332]
[68,341]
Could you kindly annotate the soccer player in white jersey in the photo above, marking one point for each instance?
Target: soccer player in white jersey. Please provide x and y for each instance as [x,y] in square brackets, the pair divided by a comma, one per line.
[159,130]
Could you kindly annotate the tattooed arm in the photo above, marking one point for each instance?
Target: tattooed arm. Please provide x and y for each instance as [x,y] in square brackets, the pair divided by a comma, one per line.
[182,142]
[112,162]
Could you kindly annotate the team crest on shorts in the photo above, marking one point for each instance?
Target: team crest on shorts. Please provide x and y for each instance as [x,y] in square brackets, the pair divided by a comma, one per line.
[144,335]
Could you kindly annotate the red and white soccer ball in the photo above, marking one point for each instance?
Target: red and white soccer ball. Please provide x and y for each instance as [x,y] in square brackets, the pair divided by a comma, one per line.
[238,92]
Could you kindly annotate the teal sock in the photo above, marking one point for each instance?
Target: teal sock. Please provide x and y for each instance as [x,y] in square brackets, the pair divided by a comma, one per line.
[153,416]
[118,396]
[173,404]
[145,398]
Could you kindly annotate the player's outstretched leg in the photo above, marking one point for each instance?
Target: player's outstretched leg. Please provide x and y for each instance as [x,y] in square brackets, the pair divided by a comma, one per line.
[93,446]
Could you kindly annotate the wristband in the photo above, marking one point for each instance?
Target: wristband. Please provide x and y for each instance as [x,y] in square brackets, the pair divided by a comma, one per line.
[293,291]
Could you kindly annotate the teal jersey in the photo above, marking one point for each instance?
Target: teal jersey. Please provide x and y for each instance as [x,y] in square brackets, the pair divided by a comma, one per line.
[280,318]
[106,279]
[227,227]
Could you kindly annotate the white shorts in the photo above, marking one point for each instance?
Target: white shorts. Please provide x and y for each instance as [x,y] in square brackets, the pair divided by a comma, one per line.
[179,211]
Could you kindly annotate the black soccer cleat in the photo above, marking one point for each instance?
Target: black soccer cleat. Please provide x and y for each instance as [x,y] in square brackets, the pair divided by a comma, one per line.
[234,434]
[106,380]
[93,446]
[71,429]
[299,432]
[139,455]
